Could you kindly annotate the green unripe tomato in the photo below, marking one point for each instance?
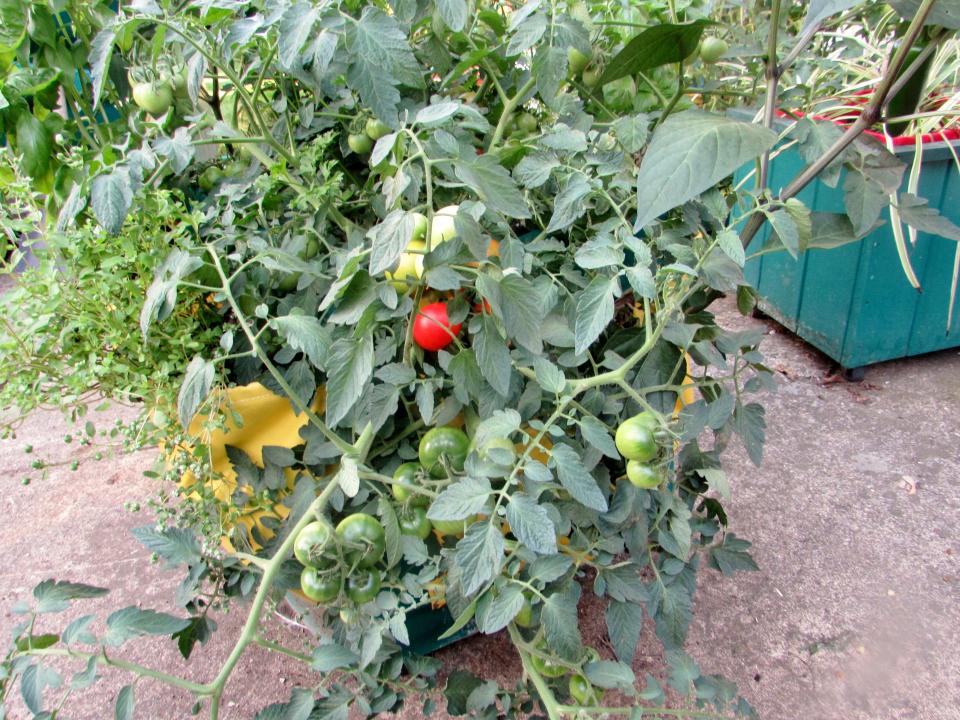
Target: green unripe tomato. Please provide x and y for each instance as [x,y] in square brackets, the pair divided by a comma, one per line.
[413,521]
[524,618]
[363,585]
[635,439]
[443,442]
[409,266]
[419,228]
[155,98]
[311,543]
[210,177]
[526,123]
[443,225]
[453,528]
[376,129]
[712,49]
[289,282]
[590,77]
[642,475]
[576,61]
[618,95]
[545,666]
[363,537]
[408,474]
[321,587]
[580,690]
[360,143]
[500,451]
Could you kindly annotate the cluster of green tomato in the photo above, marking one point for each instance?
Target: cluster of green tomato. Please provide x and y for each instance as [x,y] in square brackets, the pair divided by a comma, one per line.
[156,96]
[362,142]
[636,439]
[344,559]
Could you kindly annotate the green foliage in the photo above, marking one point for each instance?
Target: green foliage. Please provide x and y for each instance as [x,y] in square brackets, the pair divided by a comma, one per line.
[615,228]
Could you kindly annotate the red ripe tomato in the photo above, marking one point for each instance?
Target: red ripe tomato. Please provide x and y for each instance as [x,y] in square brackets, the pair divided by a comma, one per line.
[431,328]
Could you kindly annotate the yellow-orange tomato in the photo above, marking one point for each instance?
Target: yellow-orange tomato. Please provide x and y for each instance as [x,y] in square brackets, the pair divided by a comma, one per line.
[541,452]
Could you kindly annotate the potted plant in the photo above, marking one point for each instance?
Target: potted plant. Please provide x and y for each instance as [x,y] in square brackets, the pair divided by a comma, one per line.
[858,297]
[473,261]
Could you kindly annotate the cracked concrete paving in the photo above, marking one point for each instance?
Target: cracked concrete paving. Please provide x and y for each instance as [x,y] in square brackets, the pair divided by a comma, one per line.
[854,614]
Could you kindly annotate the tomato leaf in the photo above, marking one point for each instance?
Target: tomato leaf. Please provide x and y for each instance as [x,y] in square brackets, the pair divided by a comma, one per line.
[327,658]
[624,623]
[351,363]
[110,198]
[569,205]
[609,674]
[194,390]
[131,622]
[594,311]
[531,524]
[295,28]
[503,608]
[689,153]
[78,632]
[390,238]
[732,556]
[560,621]
[125,704]
[101,49]
[305,334]
[479,555]
[493,184]
[914,211]
[35,145]
[176,545]
[522,311]
[54,595]
[751,426]
[461,499]
[598,435]
[298,708]
[657,45]
[493,356]
[453,13]
[575,478]
[34,680]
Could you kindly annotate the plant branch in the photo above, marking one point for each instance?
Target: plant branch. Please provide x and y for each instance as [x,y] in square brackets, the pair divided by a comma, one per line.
[867,118]
[773,72]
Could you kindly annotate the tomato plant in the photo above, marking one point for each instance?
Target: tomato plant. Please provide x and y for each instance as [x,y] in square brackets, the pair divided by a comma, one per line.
[435,234]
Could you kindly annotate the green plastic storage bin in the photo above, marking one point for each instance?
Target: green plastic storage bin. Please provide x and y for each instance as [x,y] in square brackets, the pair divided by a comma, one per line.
[854,302]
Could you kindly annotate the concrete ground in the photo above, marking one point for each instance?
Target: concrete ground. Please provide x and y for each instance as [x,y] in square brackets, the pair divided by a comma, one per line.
[854,614]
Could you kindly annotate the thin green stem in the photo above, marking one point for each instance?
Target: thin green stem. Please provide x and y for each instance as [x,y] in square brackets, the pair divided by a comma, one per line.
[508,108]
[249,632]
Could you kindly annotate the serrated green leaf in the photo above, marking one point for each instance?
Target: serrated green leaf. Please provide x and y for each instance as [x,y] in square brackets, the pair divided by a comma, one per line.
[453,13]
[915,211]
[305,334]
[531,524]
[132,622]
[77,632]
[327,658]
[632,131]
[391,530]
[750,425]
[526,33]
[101,49]
[609,674]
[479,556]
[175,545]
[575,478]
[598,435]
[732,555]
[522,311]
[683,670]
[674,611]
[351,366]
[729,243]
[299,707]
[560,622]
[863,200]
[390,238]
[594,311]
[461,499]
[500,610]
[110,198]
[624,623]
[493,184]
[689,153]
[534,169]
[569,204]
[195,388]
[54,595]
[493,356]
[123,710]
